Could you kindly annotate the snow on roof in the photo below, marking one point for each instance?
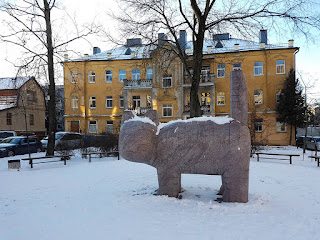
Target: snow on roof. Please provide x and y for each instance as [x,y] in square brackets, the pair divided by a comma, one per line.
[12,83]
[2,107]
[143,51]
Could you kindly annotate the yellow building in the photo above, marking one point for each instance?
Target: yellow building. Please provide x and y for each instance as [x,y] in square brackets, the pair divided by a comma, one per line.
[99,87]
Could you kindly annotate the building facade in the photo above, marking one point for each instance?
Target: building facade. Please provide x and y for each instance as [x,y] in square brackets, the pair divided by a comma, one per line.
[22,106]
[99,87]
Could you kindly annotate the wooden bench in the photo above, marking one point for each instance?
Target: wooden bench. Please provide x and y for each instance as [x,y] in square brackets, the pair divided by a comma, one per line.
[316,158]
[276,154]
[63,158]
[101,154]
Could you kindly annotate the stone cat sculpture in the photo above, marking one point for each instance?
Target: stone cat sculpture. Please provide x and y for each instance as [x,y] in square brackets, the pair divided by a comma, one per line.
[194,147]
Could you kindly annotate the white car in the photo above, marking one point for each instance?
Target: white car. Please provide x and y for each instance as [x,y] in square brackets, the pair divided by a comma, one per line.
[64,140]
[5,134]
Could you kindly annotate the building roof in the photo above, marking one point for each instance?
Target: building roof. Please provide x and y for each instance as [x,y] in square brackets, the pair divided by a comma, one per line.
[12,83]
[143,51]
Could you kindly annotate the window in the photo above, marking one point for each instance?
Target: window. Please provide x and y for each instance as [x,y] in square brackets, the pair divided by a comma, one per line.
[167,82]
[136,101]
[149,101]
[121,104]
[280,125]
[258,68]
[74,102]
[258,97]
[109,102]
[31,119]
[149,73]
[31,96]
[237,66]
[122,75]
[221,100]
[258,125]
[109,128]
[205,98]
[221,70]
[278,95]
[167,110]
[135,74]
[108,76]
[91,77]
[73,75]
[280,66]
[93,127]
[9,118]
[92,102]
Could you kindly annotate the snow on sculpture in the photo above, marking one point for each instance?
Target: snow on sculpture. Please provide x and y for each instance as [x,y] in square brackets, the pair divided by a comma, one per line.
[206,145]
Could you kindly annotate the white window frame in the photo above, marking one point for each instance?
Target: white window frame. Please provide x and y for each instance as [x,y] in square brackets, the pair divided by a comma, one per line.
[108,76]
[167,79]
[258,68]
[109,102]
[91,77]
[121,101]
[149,74]
[92,102]
[135,75]
[280,66]
[122,76]
[136,101]
[257,97]
[90,125]
[167,107]
[258,125]
[74,102]
[73,75]
[280,124]
[110,124]
[205,97]
[224,100]
[221,68]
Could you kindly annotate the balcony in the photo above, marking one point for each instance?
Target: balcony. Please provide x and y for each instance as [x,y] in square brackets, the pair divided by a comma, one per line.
[205,80]
[140,110]
[204,108]
[137,84]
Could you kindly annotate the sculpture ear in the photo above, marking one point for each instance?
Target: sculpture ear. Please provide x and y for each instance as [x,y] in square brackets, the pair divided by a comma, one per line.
[153,115]
[126,116]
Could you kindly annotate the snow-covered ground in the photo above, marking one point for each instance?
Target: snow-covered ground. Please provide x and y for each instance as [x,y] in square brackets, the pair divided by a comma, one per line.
[113,199]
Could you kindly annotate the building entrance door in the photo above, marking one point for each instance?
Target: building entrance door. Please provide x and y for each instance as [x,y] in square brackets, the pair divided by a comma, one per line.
[75,126]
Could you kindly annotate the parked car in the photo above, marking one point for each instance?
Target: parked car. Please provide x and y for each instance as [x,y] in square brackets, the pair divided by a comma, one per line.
[312,143]
[64,140]
[5,134]
[19,145]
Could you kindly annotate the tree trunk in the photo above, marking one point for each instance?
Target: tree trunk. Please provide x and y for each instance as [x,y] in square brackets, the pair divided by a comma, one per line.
[52,97]
[290,135]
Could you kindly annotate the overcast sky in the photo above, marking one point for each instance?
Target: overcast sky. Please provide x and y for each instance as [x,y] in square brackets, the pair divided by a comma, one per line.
[307,58]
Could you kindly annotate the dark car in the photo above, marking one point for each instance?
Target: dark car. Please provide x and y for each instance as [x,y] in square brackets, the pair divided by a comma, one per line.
[19,145]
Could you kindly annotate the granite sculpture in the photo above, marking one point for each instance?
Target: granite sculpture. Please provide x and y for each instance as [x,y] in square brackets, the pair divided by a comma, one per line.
[197,146]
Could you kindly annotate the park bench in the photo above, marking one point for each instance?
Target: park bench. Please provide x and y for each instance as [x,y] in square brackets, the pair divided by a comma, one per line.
[276,154]
[63,158]
[316,158]
[100,154]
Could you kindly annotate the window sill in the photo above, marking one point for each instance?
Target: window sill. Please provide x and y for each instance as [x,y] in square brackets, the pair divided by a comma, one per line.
[280,73]
[259,75]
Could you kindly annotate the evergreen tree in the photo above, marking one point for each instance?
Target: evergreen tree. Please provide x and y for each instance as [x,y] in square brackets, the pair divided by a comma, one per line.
[291,107]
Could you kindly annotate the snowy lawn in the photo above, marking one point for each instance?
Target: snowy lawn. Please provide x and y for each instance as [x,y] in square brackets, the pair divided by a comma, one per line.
[113,199]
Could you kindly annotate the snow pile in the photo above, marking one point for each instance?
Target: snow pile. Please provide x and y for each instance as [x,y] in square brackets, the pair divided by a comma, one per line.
[114,199]
[141,119]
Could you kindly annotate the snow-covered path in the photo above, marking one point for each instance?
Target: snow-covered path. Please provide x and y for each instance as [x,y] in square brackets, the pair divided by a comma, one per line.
[111,199]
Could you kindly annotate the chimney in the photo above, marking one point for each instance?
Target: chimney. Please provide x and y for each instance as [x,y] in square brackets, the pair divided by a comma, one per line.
[96,50]
[133,54]
[161,38]
[66,57]
[236,46]
[262,45]
[209,49]
[86,56]
[291,43]
[108,55]
[183,40]
[263,37]
[134,42]
[188,51]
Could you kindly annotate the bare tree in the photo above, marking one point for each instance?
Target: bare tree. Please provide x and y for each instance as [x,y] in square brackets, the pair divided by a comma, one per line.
[146,18]
[29,26]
